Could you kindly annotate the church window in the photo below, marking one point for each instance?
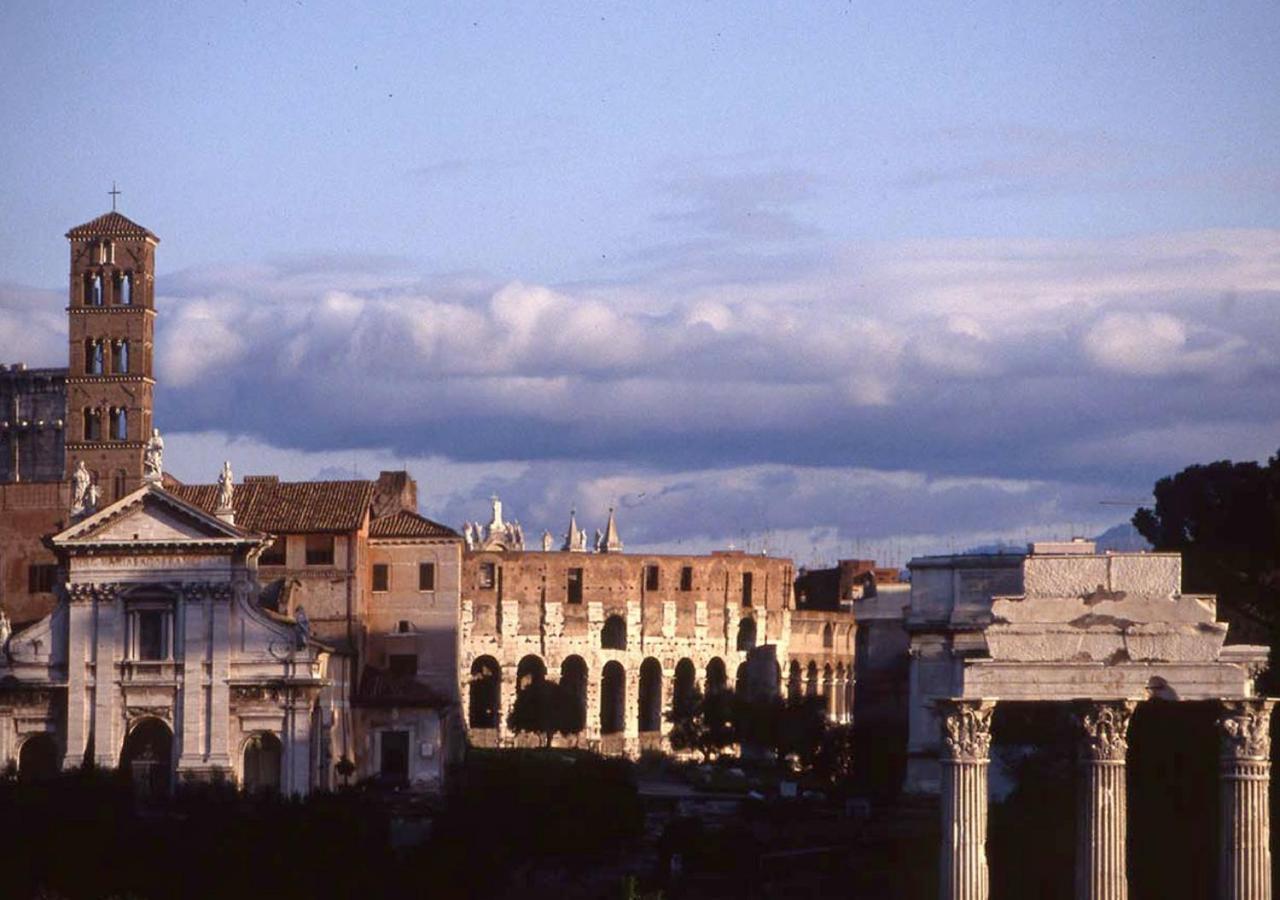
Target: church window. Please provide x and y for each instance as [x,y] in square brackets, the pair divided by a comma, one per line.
[652,577]
[92,425]
[120,357]
[319,549]
[381,577]
[118,483]
[403,664]
[274,554]
[151,641]
[426,576]
[119,424]
[126,288]
[40,578]
[747,585]
[573,588]
[404,626]
[488,576]
[93,361]
[93,289]
[686,578]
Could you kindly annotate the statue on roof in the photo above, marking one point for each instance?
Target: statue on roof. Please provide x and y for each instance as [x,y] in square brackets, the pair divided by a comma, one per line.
[548,542]
[91,499]
[226,489]
[81,481]
[153,458]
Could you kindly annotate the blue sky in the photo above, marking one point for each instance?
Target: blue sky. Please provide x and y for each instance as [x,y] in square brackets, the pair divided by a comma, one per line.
[812,276]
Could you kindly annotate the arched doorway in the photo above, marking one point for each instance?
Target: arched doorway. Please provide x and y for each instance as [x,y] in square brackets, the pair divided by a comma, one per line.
[717,677]
[685,685]
[38,758]
[650,695]
[613,636]
[147,758]
[262,754]
[484,693]
[573,677]
[613,692]
[531,671]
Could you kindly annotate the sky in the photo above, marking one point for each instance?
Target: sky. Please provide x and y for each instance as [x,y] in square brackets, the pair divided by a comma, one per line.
[816,279]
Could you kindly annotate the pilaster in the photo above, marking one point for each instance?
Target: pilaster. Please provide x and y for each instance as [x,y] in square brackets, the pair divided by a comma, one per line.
[1244,771]
[1101,810]
[966,745]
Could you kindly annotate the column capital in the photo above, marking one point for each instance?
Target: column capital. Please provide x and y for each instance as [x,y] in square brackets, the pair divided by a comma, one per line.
[966,729]
[1244,729]
[1104,726]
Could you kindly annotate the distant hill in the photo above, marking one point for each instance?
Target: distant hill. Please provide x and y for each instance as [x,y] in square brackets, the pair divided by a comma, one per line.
[1123,537]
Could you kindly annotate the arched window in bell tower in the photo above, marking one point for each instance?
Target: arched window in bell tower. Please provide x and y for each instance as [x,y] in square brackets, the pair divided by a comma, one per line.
[93,289]
[125,291]
[93,361]
[92,425]
[119,424]
[120,357]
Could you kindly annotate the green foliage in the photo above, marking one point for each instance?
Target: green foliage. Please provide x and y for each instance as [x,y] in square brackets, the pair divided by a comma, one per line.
[546,708]
[702,723]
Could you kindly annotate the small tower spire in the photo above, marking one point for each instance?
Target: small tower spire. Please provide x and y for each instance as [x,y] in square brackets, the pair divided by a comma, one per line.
[612,542]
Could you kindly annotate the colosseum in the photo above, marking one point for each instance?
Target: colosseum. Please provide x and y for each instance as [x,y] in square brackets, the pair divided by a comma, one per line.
[629,632]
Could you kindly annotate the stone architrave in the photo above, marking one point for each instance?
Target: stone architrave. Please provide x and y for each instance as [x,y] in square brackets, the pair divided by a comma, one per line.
[1244,769]
[1101,810]
[966,745]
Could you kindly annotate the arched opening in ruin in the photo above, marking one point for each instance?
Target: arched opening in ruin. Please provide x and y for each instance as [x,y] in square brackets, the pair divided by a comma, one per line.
[685,684]
[827,691]
[147,758]
[573,676]
[613,636]
[38,758]
[747,634]
[717,677]
[613,692]
[811,683]
[795,681]
[650,695]
[828,637]
[485,693]
[839,686]
[262,754]
[740,680]
[531,671]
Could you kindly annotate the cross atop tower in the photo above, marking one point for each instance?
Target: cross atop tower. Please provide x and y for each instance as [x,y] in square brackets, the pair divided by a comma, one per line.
[114,194]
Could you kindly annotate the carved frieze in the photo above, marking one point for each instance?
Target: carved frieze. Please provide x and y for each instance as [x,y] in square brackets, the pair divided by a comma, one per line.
[966,729]
[1244,729]
[1104,730]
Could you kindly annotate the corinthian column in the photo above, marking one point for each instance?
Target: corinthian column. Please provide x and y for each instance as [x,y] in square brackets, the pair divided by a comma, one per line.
[1100,814]
[966,742]
[1244,769]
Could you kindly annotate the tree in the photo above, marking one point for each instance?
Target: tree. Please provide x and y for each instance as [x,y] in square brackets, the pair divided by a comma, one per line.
[1224,518]
[703,724]
[547,708]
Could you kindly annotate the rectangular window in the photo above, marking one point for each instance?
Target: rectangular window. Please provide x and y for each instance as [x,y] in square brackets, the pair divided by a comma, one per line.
[274,554]
[426,576]
[40,578]
[381,578]
[651,578]
[151,636]
[487,576]
[319,549]
[573,587]
[747,585]
[403,664]
[686,578]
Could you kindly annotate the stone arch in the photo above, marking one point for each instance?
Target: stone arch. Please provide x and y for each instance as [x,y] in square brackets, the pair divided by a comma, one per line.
[686,677]
[828,637]
[717,676]
[484,693]
[795,680]
[613,636]
[811,683]
[826,683]
[746,634]
[261,771]
[740,680]
[613,692]
[650,695]
[530,671]
[38,758]
[573,676]
[147,757]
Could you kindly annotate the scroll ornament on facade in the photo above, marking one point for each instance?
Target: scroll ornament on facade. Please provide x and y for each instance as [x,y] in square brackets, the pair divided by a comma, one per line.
[1106,730]
[1246,730]
[967,730]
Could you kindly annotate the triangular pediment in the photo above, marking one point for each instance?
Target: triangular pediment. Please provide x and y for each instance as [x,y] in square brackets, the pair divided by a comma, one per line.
[151,515]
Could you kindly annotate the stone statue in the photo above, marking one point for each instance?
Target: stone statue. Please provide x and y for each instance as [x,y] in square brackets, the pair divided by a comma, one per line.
[153,457]
[304,625]
[599,541]
[80,484]
[548,542]
[6,628]
[91,499]
[226,488]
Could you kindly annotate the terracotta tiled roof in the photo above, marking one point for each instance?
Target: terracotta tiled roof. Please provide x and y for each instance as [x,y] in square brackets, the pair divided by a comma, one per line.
[289,507]
[111,224]
[406,524]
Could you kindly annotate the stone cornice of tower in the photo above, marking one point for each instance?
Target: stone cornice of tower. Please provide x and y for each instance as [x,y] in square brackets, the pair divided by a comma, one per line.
[111,225]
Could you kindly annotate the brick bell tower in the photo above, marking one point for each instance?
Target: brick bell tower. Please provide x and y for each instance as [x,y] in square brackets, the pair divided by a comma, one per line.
[112,315]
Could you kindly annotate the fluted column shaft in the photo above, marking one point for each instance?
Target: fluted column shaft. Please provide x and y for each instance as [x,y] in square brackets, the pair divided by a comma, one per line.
[966,744]
[1101,811]
[1244,770]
